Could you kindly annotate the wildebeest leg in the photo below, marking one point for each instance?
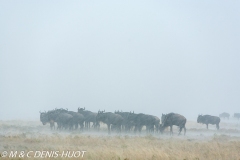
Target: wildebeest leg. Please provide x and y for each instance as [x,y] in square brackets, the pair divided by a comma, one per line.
[217,125]
[112,127]
[81,126]
[108,125]
[69,126]
[58,126]
[150,128]
[76,126]
[119,128]
[184,130]
[52,125]
[86,125]
[94,125]
[126,128]
[171,131]
[135,128]
[207,126]
[157,128]
[98,126]
[180,130]
[140,129]
[147,128]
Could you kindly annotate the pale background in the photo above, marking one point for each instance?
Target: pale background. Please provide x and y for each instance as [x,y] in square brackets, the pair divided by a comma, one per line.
[149,57]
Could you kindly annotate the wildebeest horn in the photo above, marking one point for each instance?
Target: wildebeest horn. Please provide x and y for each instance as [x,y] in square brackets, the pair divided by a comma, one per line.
[84,108]
[66,109]
[104,110]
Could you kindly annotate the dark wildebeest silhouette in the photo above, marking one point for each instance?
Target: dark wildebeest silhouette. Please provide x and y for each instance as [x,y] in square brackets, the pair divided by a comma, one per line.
[52,124]
[78,119]
[64,120]
[63,117]
[127,125]
[140,120]
[154,124]
[110,119]
[171,119]
[45,119]
[157,124]
[224,115]
[89,117]
[236,115]
[208,119]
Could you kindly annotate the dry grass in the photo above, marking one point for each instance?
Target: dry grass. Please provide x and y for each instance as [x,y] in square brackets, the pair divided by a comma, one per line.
[120,147]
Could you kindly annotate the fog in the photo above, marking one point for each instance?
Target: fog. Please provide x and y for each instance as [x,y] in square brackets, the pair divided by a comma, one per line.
[149,57]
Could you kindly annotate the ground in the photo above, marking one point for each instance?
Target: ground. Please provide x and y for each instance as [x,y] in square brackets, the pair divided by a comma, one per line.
[32,139]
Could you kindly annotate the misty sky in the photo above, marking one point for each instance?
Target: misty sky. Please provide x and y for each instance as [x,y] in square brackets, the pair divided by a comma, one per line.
[149,57]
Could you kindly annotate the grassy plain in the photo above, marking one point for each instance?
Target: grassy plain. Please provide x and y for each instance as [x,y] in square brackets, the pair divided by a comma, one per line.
[199,143]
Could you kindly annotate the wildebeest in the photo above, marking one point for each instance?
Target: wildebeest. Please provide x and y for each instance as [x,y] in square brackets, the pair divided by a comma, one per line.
[224,115]
[88,118]
[64,120]
[78,119]
[110,119]
[45,119]
[236,115]
[157,123]
[127,125]
[171,119]
[52,124]
[140,120]
[208,119]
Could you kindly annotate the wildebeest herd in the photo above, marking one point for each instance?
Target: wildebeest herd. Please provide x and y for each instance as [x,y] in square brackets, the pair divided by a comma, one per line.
[122,121]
